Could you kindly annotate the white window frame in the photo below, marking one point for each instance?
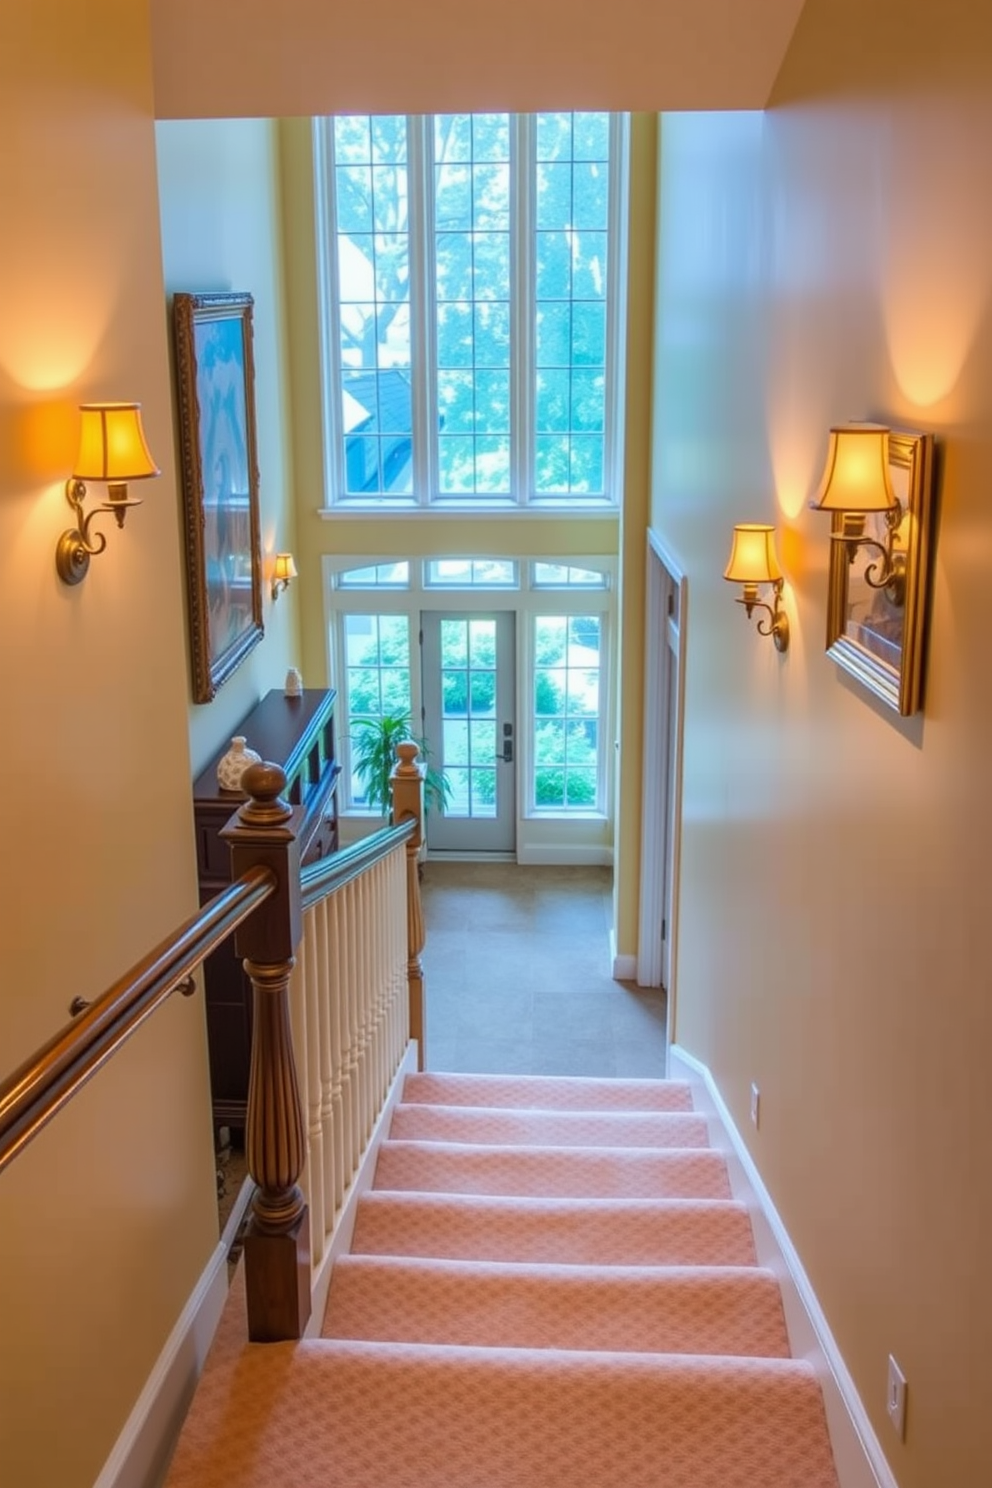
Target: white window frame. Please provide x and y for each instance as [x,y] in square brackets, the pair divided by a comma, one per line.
[527,603]
[426,495]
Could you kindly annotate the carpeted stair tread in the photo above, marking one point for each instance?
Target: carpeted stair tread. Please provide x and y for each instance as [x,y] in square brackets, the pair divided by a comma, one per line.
[364,1415]
[559,1172]
[627,1232]
[505,1127]
[549,1283]
[548,1092]
[683,1310]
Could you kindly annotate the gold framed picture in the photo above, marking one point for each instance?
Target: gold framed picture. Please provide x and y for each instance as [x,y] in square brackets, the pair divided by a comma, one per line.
[877,631]
[215,372]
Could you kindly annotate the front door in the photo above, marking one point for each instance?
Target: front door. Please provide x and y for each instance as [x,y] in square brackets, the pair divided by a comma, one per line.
[470,727]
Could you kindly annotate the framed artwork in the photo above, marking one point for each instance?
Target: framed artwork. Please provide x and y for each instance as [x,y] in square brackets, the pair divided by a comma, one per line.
[215,371]
[878,634]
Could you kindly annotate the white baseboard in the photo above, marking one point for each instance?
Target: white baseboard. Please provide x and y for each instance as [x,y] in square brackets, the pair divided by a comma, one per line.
[538,856]
[142,1452]
[858,1454]
[623,967]
[439,855]
[340,1241]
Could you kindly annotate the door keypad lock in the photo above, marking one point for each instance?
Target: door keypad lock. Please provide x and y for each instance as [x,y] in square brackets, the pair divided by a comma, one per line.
[507,755]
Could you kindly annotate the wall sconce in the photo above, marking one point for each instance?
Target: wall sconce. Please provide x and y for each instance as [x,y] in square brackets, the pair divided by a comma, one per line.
[753,562]
[855,483]
[112,448]
[283,573]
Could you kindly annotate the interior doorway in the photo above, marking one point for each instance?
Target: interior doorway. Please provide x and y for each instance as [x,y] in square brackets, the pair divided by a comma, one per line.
[662,780]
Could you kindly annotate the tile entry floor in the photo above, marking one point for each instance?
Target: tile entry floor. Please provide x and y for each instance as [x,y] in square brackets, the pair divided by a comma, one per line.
[517,975]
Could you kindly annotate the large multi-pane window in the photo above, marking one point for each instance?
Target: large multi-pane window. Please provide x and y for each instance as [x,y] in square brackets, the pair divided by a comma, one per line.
[471,273]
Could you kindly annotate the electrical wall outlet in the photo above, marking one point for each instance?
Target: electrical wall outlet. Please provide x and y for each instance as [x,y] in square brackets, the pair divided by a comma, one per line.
[755,1104]
[895,1402]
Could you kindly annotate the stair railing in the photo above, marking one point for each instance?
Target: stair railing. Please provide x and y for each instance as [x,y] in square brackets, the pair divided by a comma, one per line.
[360,952]
[356,994]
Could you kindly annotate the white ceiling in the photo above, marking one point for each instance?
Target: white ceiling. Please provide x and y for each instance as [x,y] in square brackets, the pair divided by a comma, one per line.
[279,58]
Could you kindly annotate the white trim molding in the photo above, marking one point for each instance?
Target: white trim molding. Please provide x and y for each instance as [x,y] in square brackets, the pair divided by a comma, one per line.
[624,967]
[858,1454]
[142,1452]
[661,792]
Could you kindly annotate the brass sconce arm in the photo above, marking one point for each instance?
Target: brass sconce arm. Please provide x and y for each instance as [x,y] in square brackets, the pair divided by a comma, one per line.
[888,571]
[777,624]
[75,546]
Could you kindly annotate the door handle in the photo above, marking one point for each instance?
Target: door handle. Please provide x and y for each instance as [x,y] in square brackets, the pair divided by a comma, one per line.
[507,755]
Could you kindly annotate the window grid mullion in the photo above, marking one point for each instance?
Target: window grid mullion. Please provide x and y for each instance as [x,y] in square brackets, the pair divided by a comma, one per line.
[616,308]
[329,300]
[423,307]
[522,261]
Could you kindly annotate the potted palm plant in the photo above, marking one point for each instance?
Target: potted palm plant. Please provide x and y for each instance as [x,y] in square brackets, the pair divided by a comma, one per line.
[373,759]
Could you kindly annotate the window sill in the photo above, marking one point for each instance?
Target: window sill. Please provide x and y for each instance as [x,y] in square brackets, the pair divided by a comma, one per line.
[549,813]
[379,512]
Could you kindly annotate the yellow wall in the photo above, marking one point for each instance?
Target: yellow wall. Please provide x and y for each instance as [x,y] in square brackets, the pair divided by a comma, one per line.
[828,261]
[220,206]
[108,1219]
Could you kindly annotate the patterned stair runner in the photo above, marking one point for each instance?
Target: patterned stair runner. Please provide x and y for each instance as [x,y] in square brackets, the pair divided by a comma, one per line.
[549,1282]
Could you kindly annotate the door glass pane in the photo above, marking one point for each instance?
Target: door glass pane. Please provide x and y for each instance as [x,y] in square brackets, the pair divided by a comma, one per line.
[468,690]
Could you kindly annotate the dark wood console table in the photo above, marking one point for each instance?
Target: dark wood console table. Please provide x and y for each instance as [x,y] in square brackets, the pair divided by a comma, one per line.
[298,734]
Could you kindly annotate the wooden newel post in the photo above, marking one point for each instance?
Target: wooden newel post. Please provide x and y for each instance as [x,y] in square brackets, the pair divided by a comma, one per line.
[407,782]
[277,1247]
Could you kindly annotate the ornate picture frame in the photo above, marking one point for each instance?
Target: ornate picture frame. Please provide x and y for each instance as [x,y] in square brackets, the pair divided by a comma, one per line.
[878,634]
[215,372]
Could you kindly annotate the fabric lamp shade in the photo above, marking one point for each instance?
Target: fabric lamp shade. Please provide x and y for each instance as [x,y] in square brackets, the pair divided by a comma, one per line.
[856,477]
[752,556]
[112,444]
[285,568]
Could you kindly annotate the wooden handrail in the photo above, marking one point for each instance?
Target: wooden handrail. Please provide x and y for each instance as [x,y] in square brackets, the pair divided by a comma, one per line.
[264,906]
[32,1095]
[319,879]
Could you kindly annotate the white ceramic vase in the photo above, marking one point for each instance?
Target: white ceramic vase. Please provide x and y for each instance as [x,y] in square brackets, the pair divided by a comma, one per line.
[234,764]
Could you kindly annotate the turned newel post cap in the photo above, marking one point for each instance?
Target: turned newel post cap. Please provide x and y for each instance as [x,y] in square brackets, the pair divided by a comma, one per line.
[266,806]
[407,752]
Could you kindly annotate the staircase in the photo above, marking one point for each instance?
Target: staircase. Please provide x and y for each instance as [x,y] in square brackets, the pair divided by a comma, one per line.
[549,1283]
